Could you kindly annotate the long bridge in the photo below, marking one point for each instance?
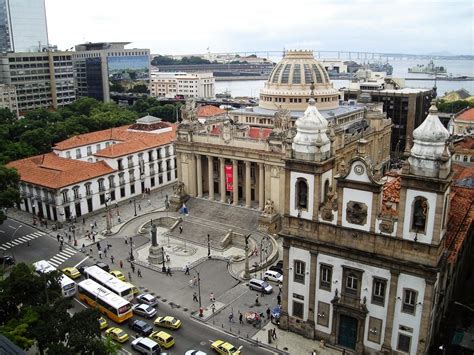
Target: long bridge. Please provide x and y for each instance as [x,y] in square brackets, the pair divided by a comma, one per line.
[340,54]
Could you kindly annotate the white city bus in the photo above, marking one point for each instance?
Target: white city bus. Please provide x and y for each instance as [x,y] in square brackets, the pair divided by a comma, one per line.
[105,279]
[95,295]
[68,286]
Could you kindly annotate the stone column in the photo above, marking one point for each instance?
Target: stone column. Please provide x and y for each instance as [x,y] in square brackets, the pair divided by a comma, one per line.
[235,182]
[210,172]
[199,175]
[261,187]
[222,179]
[247,184]
[312,307]
[392,300]
[192,175]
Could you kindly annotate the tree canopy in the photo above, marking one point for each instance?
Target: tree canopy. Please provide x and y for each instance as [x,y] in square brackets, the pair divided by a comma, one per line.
[454,106]
[9,194]
[33,311]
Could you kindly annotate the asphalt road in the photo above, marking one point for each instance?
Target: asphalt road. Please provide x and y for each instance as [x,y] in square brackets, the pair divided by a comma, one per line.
[29,245]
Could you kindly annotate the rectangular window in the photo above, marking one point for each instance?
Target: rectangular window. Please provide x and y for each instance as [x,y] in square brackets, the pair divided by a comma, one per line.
[88,189]
[78,153]
[122,192]
[89,150]
[351,283]
[375,330]
[378,291]
[325,277]
[404,343]
[160,179]
[409,301]
[152,181]
[150,155]
[68,154]
[132,189]
[130,161]
[120,164]
[97,147]
[298,309]
[299,271]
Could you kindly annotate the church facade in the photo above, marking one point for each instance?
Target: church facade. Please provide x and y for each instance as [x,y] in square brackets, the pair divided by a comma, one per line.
[365,271]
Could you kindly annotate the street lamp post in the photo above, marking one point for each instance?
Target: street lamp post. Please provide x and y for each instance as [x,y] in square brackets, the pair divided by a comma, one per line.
[247,268]
[208,246]
[163,268]
[131,250]
[135,206]
[265,238]
[199,290]
[107,215]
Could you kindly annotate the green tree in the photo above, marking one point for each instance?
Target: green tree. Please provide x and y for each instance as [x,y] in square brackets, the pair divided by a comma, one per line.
[6,116]
[9,193]
[84,105]
[38,138]
[454,106]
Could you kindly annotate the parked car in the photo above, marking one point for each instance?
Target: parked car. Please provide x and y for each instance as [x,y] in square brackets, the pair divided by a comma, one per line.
[146,346]
[72,272]
[144,310]
[275,315]
[148,299]
[102,265]
[195,352]
[276,268]
[260,286]
[117,334]
[7,260]
[141,327]
[271,275]
[102,323]
[168,322]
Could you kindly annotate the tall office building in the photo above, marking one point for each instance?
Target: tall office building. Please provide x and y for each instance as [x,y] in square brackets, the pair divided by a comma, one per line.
[23,26]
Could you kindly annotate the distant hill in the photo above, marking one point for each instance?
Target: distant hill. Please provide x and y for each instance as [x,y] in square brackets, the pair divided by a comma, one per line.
[443,53]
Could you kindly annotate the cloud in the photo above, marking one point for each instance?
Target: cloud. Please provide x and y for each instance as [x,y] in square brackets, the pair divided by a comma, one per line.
[249,25]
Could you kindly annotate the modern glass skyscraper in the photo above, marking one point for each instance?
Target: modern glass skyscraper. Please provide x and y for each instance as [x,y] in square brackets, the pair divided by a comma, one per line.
[23,26]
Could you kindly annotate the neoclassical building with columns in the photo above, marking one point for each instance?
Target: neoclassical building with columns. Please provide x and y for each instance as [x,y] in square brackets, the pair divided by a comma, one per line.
[238,157]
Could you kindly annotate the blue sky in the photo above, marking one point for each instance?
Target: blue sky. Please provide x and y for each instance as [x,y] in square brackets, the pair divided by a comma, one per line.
[184,27]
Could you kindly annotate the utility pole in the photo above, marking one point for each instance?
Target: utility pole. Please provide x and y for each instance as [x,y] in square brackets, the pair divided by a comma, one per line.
[135,206]
[247,268]
[208,246]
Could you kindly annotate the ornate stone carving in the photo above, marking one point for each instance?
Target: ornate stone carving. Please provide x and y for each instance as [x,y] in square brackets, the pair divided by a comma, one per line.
[269,207]
[178,188]
[356,212]
[327,210]
[275,172]
[282,120]
[386,226]
[189,111]
[227,131]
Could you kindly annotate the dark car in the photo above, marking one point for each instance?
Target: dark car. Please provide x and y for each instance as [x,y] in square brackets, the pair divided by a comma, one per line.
[7,260]
[103,266]
[278,267]
[141,327]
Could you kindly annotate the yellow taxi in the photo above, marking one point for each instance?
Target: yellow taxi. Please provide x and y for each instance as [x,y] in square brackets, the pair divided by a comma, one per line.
[225,348]
[117,334]
[72,272]
[135,290]
[168,322]
[102,323]
[118,274]
[164,339]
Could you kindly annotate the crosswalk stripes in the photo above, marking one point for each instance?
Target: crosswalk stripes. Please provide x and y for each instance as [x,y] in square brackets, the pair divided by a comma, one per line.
[62,256]
[23,239]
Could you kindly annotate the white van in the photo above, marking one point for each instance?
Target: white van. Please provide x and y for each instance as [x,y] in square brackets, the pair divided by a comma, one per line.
[260,286]
[146,346]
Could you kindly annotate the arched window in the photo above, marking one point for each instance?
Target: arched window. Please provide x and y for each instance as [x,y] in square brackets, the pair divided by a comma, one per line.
[301,194]
[419,214]
[326,191]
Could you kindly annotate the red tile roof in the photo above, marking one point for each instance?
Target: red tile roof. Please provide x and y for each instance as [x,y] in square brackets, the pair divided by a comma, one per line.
[51,171]
[461,215]
[127,142]
[465,143]
[467,115]
[210,111]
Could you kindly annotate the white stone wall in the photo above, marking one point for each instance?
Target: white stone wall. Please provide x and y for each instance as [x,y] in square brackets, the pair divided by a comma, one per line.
[296,287]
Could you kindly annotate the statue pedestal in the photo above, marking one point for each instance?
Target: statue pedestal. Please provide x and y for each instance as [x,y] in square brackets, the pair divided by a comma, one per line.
[155,255]
[176,202]
[269,223]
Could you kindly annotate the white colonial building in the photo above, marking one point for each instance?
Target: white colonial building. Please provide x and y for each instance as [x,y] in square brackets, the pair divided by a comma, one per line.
[85,172]
[199,85]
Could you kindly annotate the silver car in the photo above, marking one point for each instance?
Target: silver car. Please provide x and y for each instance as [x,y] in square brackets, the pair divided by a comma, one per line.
[144,310]
[147,299]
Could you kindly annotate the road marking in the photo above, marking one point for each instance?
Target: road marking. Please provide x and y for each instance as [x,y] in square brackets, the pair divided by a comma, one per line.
[3,248]
[62,256]
[1,231]
[23,239]
[80,262]
[11,227]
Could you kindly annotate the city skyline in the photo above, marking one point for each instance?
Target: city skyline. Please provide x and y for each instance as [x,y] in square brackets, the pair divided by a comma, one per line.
[422,27]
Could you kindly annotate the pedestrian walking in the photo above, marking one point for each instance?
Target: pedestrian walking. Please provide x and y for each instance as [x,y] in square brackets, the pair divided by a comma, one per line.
[62,239]
[241,317]
[105,252]
[139,272]
[133,267]
[167,258]
[129,276]
[83,220]
[112,259]
[186,272]
[61,243]
[83,248]
[95,224]
[90,251]
[121,264]
[279,299]
[256,301]
[269,312]
[139,207]
[274,334]
[279,288]
[149,202]
[231,317]
[109,245]
[213,307]
[60,247]
[211,297]
[195,298]
[100,254]
[168,271]
[69,238]
[126,240]
[180,229]
[59,237]
[93,237]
